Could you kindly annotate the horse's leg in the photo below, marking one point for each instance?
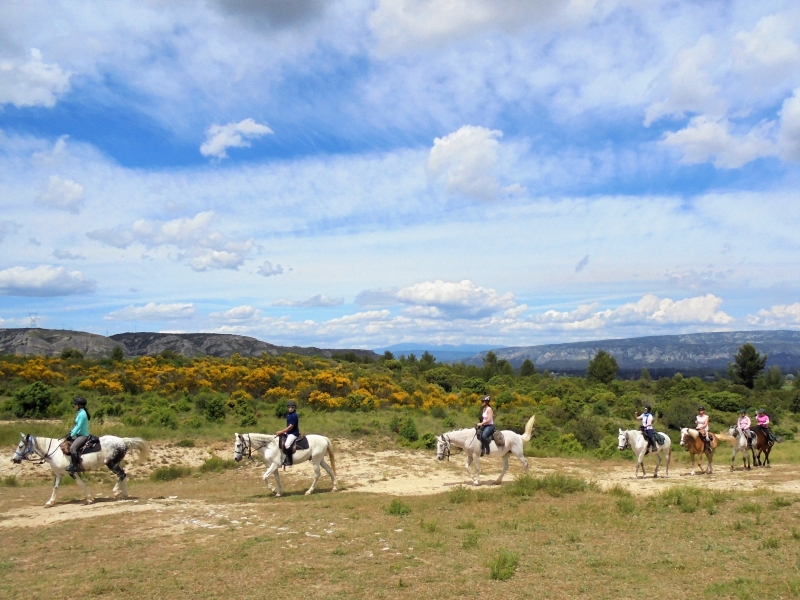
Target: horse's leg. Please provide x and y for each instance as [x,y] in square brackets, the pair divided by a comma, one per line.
[79,481]
[316,479]
[273,468]
[733,459]
[328,470]
[468,465]
[499,480]
[121,487]
[658,464]
[523,460]
[56,482]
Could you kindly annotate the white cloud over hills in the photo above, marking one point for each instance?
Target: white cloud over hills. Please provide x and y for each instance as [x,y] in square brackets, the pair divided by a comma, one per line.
[44,281]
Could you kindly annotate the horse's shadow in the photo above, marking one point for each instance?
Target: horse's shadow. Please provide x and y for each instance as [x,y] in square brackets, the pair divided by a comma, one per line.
[98,500]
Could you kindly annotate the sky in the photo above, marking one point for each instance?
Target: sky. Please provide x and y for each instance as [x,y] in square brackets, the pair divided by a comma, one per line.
[365,173]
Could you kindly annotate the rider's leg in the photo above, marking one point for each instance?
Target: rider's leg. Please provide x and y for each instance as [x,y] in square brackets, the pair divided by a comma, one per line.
[74,452]
[290,438]
[486,437]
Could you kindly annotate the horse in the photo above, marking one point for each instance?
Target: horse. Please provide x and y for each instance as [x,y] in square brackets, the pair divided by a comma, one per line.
[469,441]
[112,451]
[267,447]
[763,445]
[693,444]
[639,446]
[739,443]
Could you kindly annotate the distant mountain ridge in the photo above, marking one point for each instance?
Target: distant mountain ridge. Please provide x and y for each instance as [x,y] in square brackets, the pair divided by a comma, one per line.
[663,355]
[50,342]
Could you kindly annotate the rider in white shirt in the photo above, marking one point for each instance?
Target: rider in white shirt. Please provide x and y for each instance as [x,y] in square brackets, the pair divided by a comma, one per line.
[647,426]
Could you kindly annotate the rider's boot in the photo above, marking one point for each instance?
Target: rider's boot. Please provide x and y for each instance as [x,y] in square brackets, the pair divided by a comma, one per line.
[74,465]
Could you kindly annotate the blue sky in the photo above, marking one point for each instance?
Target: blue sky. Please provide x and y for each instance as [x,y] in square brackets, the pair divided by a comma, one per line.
[368,173]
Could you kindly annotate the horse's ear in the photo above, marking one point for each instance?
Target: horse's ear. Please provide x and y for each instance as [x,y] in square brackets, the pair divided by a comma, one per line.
[22,435]
[237,435]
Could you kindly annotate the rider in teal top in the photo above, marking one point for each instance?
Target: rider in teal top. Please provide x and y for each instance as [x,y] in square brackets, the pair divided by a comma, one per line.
[79,434]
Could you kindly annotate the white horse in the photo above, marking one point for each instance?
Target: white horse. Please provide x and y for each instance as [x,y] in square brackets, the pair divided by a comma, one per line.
[468,440]
[112,450]
[635,440]
[267,447]
[738,441]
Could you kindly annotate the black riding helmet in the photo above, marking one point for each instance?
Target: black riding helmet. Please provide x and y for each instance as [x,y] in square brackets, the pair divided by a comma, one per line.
[701,408]
[291,403]
[79,401]
[743,411]
[647,408]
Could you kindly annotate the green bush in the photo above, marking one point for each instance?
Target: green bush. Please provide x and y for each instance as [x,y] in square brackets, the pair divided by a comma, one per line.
[459,494]
[554,484]
[32,401]
[215,409]
[567,445]
[170,473]
[185,444]
[215,464]
[408,430]
[428,441]
[281,410]
[9,481]
[164,417]
[449,421]
[398,508]
[504,565]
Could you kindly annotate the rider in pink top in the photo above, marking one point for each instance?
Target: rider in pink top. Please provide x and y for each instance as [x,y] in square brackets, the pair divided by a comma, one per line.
[744,426]
[701,421]
[762,423]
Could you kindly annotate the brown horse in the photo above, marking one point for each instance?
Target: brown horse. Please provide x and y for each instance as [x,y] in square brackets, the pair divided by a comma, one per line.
[763,445]
[693,444]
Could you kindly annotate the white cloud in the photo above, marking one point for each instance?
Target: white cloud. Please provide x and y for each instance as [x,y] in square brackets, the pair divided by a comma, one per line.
[789,135]
[706,139]
[780,315]
[67,255]
[455,300]
[42,281]
[33,83]
[233,135]
[152,312]
[201,246]
[239,313]
[63,194]
[467,159]
[268,270]
[7,228]
[318,301]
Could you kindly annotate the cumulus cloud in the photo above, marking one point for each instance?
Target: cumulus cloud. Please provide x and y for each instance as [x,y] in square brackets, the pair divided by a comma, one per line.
[63,194]
[318,301]
[268,270]
[233,135]
[780,315]
[789,135]
[467,159]
[274,13]
[43,281]
[152,312]
[203,247]
[67,255]
[33,83]
[7,228]
[706,139]
[239,313]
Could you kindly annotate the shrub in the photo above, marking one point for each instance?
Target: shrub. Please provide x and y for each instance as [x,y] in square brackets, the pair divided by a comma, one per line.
[567,445]
[459,495]
[408,430]
[554,484]
[504,565]
[474,385]
[164,417]
[10,481]
[71,354]
[449,421]
[32,400]
[215,409]
[117,355]
[185,444]
[215,464]
[249,420]
[281,410]
[398,508]
[170,473]
[428,441]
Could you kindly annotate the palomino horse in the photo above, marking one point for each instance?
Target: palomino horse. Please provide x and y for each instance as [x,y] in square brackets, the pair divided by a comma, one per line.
[268,449]
[468,440]
[635,440]
[763,446]
[739,443]
[112,450]
[693,443]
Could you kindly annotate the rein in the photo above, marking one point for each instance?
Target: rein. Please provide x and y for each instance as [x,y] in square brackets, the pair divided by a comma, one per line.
[30,448]
[446,446]
[248,447]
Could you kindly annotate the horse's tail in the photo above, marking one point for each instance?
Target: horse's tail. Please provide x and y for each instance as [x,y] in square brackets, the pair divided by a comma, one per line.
[726,438]
[138,444]
[331,456]
[529,429]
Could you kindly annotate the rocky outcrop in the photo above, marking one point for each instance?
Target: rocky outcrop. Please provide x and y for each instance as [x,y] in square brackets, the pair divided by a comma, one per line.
[697,353]
[50,342]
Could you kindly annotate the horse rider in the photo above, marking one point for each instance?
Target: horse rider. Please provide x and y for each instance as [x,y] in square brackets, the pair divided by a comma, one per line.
[701,424]
[292,431]
[79,434]
[486,425]
[744,426]
[762,423]
[647,426]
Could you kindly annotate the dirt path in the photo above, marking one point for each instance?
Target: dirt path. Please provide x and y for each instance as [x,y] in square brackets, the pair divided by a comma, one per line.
[360,469]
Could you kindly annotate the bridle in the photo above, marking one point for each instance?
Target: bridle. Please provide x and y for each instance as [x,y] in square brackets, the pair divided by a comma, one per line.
[626,445]
[247,446]
[446,451]
[30,448]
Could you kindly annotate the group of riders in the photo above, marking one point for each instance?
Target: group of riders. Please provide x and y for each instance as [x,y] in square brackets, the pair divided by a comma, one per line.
[485,427]
[702,426]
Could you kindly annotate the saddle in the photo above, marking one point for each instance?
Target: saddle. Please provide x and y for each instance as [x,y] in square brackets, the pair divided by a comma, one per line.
[91,445]
[301,443]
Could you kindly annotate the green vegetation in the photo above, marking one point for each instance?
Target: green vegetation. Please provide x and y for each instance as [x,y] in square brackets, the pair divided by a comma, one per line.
[170,473]
[504,565]
[398,508]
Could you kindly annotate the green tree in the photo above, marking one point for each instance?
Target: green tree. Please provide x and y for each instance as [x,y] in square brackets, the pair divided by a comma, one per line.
[748,363]
[387,356]
[441,376]
[527,369]
[408,430]
[117,355]
[32,400]
[771,380]
[215,409]
[71,354]
[645,375]
[489,365]
[602,368]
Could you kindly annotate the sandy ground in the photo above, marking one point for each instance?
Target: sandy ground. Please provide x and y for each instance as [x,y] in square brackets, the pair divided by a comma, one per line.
[360,469]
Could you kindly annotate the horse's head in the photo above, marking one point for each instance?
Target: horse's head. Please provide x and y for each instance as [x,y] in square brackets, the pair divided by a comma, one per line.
[732,430]
[239,448]
[684,436]
[24,448]
[623,440]
[442,447]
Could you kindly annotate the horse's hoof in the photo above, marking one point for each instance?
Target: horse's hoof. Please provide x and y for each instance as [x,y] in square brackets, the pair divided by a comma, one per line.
[89,501]
[277,495]
[48,505]
[308,493]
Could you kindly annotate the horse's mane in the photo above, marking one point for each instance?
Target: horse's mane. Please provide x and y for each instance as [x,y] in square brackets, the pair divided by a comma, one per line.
[260,437]
[692,432]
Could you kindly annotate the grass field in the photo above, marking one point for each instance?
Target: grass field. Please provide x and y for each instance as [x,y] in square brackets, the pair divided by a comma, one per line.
[220,534]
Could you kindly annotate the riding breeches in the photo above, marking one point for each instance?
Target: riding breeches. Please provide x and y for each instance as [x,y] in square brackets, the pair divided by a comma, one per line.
[290,438]
[77,445]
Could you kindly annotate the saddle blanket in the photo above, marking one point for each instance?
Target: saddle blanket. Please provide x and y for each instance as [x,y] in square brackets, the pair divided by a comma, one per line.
[659,438]
[300,443]
[499,439]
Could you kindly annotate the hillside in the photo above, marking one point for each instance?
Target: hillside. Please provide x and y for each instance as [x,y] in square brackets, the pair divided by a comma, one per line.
[50,342]
[663,355]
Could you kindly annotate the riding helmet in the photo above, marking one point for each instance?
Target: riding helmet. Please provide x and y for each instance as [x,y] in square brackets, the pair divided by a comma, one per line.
[761,411]
[701,408]
[743,411]
[647,407]
[79,401]
[486,399]
[291,403]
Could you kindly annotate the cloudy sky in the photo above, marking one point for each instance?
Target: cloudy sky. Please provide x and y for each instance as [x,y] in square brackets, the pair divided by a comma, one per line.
[369,172]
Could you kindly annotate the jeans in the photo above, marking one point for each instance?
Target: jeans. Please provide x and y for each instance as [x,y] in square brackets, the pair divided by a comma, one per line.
[486,435]
[651,436]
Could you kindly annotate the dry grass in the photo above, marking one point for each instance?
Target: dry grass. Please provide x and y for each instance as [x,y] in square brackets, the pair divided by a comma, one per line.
[225,536]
